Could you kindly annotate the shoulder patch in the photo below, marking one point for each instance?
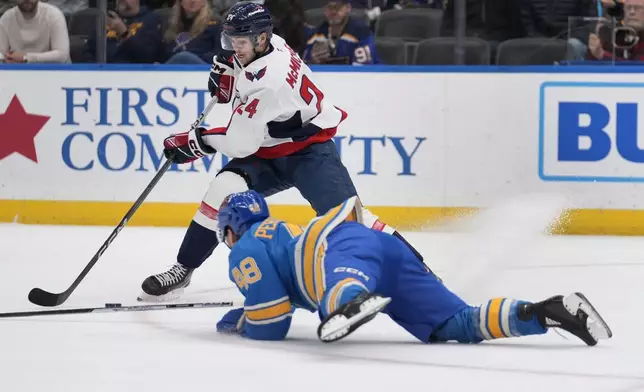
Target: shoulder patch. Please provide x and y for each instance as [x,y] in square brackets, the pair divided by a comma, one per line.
[256,75]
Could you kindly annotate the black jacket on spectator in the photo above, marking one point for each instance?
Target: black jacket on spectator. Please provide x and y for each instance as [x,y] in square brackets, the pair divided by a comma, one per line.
[142,44]
[549,18]
[206,45]
[494,20]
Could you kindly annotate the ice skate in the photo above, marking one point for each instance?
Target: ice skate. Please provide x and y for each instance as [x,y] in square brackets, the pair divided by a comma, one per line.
[350,316]
[166,286]
[573,313]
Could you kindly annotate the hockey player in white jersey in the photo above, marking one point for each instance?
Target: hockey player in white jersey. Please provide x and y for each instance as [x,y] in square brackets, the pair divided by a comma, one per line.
[279,136]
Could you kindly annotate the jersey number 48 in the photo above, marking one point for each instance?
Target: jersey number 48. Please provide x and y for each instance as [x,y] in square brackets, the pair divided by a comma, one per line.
[247,273]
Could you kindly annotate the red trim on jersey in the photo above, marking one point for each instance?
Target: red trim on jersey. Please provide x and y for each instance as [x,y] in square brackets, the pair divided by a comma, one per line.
[221,130]
[215,131]
[208,211]
[377,225]
[289,148]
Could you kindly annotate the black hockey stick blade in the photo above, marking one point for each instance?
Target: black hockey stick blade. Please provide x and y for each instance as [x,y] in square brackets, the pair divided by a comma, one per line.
[44,298]
[111,308]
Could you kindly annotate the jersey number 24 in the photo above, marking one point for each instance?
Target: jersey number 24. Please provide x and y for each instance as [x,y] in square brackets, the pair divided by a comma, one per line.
[307,91]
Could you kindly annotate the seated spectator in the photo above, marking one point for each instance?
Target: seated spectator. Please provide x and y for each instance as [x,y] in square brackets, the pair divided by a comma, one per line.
[194,36]
[341,39]
[290,24]
[548,18]
[133,35]
[34,32]
[627,42]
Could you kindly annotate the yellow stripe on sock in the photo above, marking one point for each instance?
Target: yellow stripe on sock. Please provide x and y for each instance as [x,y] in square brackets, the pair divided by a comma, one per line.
[493,322]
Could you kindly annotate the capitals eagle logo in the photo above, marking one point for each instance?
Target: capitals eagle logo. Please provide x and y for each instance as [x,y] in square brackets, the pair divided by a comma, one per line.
[257,75]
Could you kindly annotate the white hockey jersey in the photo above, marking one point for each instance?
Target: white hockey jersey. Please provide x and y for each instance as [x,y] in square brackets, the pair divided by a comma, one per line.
[277,110]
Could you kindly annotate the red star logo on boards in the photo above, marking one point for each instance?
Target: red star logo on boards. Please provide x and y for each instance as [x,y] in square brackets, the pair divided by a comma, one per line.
[18,130]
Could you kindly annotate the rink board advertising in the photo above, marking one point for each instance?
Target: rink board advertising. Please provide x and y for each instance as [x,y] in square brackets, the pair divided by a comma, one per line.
[81,147]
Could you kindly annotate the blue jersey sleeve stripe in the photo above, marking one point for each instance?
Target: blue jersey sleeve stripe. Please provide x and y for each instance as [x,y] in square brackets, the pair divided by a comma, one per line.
[269,321]
[268,304]
[270,312]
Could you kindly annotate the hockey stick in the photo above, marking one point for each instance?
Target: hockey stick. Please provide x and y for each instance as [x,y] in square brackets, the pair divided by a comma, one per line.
[44,298]
[110,308]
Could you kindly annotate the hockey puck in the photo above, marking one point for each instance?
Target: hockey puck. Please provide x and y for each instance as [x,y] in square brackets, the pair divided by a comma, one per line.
[112,305]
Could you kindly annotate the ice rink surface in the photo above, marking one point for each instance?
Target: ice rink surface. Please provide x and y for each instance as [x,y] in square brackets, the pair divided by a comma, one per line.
[179,350]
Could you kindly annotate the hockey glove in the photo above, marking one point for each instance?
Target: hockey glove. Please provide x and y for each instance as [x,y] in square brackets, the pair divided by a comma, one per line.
[222,76]
[232,322]
[186,147]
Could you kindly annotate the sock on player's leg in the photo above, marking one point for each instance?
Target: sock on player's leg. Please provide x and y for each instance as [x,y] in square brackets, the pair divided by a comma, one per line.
[341,293]
[347,306]
[496,319]
[198,244]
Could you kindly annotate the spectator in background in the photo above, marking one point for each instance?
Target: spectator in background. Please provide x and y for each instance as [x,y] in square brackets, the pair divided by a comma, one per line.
[549,18]
[193,36]
[627,43]
[34,32]
[341,39]
[290,22]
[133,35]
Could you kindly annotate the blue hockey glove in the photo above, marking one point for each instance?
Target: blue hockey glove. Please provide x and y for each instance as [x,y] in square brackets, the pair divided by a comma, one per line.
[232,322]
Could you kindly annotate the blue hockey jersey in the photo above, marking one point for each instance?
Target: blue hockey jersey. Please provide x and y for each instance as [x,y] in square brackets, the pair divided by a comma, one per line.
[258,265]
[356,45]
[278,267]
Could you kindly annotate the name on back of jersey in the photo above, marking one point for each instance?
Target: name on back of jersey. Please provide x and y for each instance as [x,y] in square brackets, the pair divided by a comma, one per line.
[295,66]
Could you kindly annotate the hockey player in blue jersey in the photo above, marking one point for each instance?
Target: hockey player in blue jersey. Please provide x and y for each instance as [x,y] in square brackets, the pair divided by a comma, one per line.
[349,273]
[342,39]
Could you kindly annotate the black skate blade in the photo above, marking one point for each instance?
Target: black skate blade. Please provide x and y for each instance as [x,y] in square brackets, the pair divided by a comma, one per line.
[44,298]
[599,329]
